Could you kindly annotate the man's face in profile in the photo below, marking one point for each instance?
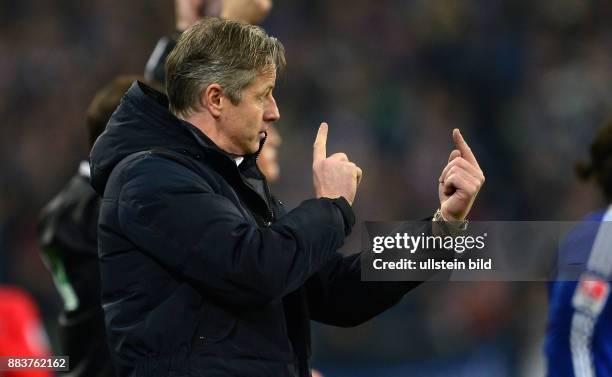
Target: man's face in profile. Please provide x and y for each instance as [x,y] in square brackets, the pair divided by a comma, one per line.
[246,123]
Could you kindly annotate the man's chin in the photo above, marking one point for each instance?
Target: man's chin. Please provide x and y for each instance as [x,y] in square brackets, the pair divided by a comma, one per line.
[252,148]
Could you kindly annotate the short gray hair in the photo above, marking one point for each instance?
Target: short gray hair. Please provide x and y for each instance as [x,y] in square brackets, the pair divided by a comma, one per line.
[225,52]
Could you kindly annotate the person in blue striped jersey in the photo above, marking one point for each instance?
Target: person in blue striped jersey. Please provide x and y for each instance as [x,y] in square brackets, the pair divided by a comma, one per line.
[579,332]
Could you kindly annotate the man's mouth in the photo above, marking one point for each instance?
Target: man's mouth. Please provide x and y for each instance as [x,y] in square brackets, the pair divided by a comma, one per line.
[262,134]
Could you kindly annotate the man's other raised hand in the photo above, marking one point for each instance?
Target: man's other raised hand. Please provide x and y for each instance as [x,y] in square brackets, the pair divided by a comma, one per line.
[460,181]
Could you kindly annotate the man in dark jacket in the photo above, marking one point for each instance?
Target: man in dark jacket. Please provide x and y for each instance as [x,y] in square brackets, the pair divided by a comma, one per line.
[67,234]
[203,273]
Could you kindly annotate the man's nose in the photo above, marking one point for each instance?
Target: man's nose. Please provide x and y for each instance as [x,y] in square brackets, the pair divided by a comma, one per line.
[271,113]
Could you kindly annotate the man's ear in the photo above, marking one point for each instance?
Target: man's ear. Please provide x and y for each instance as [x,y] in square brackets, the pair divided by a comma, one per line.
[213,100]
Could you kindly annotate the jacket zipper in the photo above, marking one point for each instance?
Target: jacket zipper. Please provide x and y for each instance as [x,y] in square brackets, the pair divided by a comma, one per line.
[270,210]
[266,187]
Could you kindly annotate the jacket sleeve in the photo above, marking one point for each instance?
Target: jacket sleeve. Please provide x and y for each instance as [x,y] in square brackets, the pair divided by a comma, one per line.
[337,296]
[171,214]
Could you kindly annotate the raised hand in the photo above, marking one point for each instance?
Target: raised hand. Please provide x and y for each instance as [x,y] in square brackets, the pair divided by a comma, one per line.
[460,181]
[188,12]
[249,11]
[333,176]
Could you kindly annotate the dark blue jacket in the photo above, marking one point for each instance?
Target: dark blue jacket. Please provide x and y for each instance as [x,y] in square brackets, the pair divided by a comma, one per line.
[203,273]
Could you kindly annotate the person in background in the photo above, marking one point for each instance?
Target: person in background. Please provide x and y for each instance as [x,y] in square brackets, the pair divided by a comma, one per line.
[268,158]
[67,234]
[579,331]
[188,12]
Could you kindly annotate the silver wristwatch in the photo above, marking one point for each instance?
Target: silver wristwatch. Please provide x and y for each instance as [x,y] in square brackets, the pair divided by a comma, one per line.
[454,228]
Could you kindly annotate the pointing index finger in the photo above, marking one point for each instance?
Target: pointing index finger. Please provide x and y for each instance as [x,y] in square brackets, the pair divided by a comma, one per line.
[463,147]
[319,151]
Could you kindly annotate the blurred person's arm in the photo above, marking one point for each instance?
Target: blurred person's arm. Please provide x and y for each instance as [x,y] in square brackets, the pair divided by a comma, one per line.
[249,11]
[188,12]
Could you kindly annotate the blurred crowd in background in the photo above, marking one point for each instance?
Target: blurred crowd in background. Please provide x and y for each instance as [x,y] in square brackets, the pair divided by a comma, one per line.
[527,82]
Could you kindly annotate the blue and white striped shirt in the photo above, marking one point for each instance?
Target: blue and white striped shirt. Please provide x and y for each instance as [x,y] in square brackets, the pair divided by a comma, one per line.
[579,333]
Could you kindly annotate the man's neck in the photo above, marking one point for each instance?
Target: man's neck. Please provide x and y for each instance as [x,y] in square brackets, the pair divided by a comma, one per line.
[207,126]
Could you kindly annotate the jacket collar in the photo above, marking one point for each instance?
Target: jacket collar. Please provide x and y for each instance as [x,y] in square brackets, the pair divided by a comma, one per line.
[148,94]
[143,122]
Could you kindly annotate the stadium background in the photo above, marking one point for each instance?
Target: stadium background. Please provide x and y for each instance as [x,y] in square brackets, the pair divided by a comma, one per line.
[527,83]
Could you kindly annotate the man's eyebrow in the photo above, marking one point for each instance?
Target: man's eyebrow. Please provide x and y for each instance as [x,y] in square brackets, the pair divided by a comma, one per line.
[267,89]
